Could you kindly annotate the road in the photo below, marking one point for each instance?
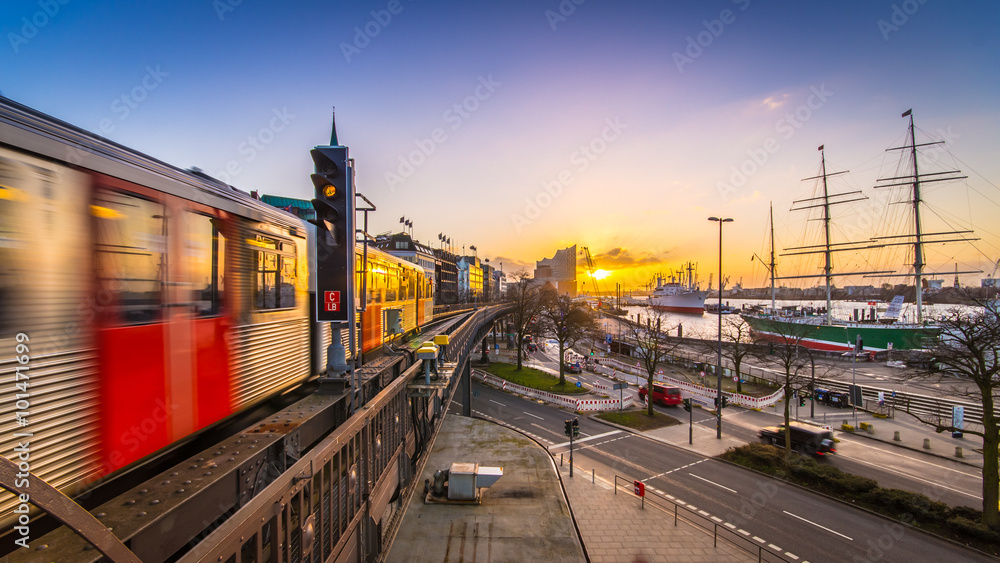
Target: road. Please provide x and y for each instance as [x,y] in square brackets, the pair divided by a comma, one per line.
[783,517]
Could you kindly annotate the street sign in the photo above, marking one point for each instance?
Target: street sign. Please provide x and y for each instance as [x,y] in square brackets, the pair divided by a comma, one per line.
[640,488]
[607,339]
[619,386]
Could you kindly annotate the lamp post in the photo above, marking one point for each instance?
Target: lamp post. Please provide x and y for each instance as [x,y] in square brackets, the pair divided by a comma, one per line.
[718,367]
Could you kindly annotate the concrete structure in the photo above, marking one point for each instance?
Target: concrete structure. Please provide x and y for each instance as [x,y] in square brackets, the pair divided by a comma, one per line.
[523,517]
[560,271]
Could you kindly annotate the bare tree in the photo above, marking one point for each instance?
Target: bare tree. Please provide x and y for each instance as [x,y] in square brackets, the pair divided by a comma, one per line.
[567,321]
[781,342]
[737,344]
[526,297]
[968,348]
[651,346]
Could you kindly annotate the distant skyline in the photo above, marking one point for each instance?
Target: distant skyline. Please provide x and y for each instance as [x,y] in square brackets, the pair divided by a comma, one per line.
[527,127]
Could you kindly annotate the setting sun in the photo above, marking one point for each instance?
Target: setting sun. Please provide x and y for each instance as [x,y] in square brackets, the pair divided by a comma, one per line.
[601,274]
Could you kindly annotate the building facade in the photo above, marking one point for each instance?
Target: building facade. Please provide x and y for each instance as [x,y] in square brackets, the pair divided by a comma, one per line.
[560,271]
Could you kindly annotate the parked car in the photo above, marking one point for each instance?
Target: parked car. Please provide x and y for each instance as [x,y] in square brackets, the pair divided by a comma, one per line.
[575,367]
[821,395]
[663,394]
[807,439]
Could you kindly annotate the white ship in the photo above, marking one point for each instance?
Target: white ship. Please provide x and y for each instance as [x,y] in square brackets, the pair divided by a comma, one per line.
[680,295]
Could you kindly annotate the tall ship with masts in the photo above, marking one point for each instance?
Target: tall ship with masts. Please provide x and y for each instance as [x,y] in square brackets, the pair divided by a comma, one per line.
[681,294]
[876,333]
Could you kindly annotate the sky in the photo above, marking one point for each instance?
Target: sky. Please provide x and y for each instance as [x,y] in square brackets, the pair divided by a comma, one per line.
[522,127]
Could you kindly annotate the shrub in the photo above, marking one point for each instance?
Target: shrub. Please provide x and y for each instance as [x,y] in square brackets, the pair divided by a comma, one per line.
[828,478]
[898,502]
[973,528]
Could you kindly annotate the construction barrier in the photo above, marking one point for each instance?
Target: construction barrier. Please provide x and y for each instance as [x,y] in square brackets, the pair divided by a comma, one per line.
[561,400]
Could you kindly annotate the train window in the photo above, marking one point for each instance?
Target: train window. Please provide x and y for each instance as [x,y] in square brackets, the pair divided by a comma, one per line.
[205,251]
[12,246]
[274,284]
[131,257]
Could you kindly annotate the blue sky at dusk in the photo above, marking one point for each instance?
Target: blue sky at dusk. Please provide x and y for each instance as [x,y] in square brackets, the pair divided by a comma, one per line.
[523,127]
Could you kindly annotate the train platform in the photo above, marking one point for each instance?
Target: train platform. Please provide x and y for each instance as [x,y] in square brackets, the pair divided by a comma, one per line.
[536,512]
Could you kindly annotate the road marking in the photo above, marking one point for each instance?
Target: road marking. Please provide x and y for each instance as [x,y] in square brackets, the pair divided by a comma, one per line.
[960,472]
[674,469]
[817,525]
[728,525]
[792,555]
[498,402]
[703,513]
[457,403]
[935,483]
[587,439]
[716,518]
[758,539]
[713,483]
[534,415]
[692,507]
[774,547]
[744,532]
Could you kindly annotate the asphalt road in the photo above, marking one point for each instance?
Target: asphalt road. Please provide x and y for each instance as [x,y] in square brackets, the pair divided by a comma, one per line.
[758,509]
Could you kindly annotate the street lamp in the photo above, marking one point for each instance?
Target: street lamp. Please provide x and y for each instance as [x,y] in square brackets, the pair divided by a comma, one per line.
[718,367]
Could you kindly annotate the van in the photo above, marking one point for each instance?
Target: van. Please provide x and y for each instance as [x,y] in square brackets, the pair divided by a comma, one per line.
[808,439]
[664,394]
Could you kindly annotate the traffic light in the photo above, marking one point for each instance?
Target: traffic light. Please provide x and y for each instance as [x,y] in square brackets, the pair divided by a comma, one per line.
[725,401]
[802,400]
[591,351]
[569,428]
[334,204]
[687,405]
[576,428]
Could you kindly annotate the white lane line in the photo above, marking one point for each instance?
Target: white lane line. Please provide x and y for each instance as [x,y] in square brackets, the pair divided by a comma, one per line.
[498,402]
[533,415]
[758,539]
[541,427]
[457,403]
[934,465]
[728,525]
[792,555]
[817,525]
[716,518]
[713,483]
[587,439]
[703,513]
[774,547]
[744,532]
[935,483]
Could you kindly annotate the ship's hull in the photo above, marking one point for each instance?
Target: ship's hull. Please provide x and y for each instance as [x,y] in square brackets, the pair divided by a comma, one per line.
[690,302]
[842,336]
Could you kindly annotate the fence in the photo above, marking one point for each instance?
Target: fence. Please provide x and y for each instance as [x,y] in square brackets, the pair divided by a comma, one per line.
[704,523]
[581,405]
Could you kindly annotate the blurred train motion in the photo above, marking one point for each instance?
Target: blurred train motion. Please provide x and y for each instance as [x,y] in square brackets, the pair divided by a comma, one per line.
[155,301]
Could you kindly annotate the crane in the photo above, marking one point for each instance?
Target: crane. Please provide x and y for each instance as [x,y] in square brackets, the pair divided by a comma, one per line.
[591,269]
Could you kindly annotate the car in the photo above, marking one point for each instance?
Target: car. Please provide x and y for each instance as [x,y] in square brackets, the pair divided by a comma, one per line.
[575,367]
[838,399]
[821,395]
[532,347]
[664,394]
[806,438]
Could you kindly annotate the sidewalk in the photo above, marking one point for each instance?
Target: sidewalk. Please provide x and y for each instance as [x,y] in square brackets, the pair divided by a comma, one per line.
[617,527]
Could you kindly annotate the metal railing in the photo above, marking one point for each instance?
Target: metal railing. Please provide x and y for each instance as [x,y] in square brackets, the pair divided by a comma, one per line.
[705,524]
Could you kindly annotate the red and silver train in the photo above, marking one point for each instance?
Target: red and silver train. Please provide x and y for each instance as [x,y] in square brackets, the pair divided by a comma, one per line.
[141,303]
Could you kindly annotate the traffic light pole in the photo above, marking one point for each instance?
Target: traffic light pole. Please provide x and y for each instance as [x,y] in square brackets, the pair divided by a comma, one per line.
[689,406]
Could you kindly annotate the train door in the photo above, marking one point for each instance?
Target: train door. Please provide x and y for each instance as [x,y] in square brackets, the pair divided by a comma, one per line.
[159,281]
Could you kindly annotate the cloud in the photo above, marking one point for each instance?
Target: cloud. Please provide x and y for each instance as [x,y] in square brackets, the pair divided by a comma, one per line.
[511,265]
[772,102]
[619,257]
